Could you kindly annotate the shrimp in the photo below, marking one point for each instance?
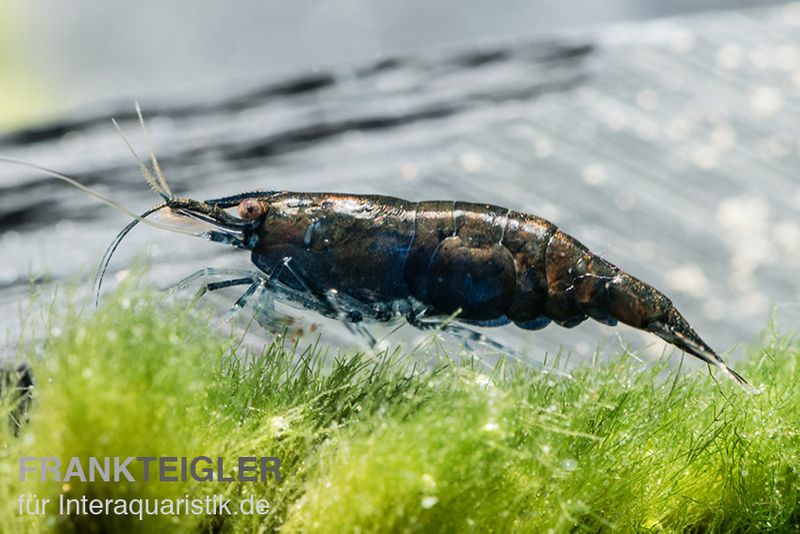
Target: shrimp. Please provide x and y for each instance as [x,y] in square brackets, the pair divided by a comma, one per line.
[371,257]
[436,264]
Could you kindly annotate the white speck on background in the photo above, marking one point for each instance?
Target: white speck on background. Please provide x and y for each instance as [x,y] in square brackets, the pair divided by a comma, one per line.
[705,157]
[647,99]
[683,41]
[410,171]
[765,101]
[723,137]
[542,147]
[594,175]
[729,56]
[688,278]
[429,502]
[471,161]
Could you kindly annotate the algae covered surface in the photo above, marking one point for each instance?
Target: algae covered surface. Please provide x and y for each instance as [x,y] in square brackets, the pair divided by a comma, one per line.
[389,445]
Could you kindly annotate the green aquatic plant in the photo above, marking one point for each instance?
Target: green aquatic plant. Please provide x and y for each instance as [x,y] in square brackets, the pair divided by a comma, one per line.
[387,445]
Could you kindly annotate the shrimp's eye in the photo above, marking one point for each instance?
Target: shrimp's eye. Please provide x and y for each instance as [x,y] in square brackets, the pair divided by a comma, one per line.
[250,209]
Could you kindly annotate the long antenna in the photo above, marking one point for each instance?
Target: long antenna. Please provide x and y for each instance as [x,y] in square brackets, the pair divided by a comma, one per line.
[75,183]
[97,282]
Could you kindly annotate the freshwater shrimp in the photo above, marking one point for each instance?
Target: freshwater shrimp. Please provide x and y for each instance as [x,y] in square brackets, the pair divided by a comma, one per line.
[436,264]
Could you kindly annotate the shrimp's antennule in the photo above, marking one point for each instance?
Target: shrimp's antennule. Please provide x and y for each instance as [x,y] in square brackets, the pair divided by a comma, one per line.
[151,181]
[156,167]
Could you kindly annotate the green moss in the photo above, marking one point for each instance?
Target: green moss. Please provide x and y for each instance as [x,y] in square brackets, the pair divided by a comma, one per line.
[379,446]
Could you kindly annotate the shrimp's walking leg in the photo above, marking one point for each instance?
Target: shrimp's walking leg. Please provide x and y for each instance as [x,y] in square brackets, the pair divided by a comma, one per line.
[260,293]
[264,309]
[257,286]
[348,311]
[336,304]
[417,319]
[249,275]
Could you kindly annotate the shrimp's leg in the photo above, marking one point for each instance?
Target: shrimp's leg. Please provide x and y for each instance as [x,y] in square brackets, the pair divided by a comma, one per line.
[263,311]
[338,305]
[351,313]
[418,319]
[243,274]
[241,302]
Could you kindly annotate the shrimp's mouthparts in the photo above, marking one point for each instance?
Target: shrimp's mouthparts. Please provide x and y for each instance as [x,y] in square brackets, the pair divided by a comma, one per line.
[211,214]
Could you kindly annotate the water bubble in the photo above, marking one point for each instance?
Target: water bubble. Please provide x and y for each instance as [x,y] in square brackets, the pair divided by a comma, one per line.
[428,482]
[616,120]
[794,79]
[787,57]
[471,161]
[683,41]
[705,157]
[410,171]
[774,147]
[678,128]
[714,309]
[689,278]
[491,427]
[729,56]
[723,137]
[483,381]
[279,425]
[760,57]
[429,502]
[542,147]
[569,464]
[765,101]
[647,99]
[594,175]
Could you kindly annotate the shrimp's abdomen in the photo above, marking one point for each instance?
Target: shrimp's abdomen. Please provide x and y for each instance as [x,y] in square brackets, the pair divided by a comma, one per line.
[458,263]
